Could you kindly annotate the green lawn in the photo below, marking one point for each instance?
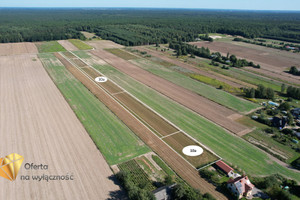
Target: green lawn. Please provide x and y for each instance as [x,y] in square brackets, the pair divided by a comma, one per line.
[80,45]
[233,149]
[207,91]
[116,142]
[52,46]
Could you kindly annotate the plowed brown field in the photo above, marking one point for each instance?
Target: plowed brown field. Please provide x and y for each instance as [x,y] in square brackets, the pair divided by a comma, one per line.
[209,109]
[37,123]
[176,162]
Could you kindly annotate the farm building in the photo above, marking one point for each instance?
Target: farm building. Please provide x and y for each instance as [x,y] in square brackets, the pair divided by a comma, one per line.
[240,186]
[225,168]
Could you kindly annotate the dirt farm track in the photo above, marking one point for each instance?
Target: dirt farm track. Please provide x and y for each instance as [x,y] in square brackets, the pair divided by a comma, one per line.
[37,123]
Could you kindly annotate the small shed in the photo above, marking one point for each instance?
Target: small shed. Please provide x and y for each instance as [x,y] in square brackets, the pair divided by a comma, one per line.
[224,167]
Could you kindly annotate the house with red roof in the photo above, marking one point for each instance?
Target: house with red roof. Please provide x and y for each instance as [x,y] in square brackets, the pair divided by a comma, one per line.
[225,168]
[240,186]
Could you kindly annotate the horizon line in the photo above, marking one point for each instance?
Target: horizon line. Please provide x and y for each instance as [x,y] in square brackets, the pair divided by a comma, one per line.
[171,8]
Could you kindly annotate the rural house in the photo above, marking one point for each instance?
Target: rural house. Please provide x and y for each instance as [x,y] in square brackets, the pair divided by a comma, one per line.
[225,168]
[240,186]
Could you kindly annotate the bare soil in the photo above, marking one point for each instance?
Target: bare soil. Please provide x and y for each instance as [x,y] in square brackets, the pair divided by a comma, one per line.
[37,123]
[17,48]
[176,162]
[201,105]
[273,62]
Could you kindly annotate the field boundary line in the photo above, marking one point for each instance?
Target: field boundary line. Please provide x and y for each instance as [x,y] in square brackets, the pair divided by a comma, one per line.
[158,113]
[209,164]
[170,134]
[118,93]
[130,113]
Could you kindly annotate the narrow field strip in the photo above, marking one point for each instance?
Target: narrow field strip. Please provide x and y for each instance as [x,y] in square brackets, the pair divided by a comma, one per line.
[199,104]
[156,123]
[115,141]
[183,168]
[216,95]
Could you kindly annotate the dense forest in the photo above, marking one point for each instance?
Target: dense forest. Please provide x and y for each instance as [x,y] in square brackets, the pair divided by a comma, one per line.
[144,26]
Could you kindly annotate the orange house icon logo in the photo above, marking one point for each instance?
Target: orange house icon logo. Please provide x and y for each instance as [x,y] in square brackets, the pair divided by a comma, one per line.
[10,166]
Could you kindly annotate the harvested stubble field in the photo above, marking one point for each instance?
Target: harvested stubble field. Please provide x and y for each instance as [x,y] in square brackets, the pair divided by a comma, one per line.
[67,45]
[17,48]
[203,106]
[104,44]
[233,149]
[176,162]
[115,141]
[37,123]
[273,62]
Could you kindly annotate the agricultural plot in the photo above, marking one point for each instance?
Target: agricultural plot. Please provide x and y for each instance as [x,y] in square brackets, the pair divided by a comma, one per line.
[137,174]
[152,120]
[272,61]
[203,106]
[104,44]
[179,140]
[116,142]
[52,46]
[37,123]
[174,160]
[209,92]
[122,54]
[232,149]
[163,59]
[80,45]
[17,48]
[67,45]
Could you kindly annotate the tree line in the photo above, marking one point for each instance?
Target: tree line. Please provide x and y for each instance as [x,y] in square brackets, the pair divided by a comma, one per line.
[182,48]
[143,26]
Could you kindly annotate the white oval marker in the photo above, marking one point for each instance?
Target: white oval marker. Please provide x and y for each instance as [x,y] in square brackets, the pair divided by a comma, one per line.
[192,150]
[101,79]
